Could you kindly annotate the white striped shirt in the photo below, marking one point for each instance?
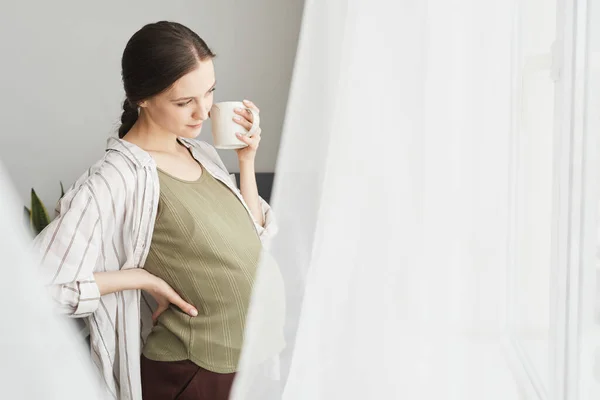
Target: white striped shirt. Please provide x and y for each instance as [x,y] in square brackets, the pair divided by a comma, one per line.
[105,223]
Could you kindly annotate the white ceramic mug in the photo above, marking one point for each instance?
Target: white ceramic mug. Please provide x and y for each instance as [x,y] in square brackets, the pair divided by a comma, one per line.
[224,127]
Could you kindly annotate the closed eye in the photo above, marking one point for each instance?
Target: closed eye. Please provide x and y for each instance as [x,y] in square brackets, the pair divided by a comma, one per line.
[185,103]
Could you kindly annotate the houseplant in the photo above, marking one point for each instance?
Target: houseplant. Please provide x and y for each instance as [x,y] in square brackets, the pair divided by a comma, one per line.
[37,214]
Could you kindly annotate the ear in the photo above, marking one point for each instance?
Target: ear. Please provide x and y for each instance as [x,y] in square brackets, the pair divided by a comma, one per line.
[143,104]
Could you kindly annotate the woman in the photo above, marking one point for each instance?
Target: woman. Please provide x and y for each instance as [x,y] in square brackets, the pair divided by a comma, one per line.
[161,200]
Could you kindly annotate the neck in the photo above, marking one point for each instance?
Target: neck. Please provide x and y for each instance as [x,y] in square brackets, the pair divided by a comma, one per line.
[151,137]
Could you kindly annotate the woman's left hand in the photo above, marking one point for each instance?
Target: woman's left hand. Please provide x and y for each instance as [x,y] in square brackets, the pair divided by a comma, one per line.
[244,118]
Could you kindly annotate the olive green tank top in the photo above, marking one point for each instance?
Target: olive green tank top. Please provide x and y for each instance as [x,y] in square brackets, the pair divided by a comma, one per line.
[205,246]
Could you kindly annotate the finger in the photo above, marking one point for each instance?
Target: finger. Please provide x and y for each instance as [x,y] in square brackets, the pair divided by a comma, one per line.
[243,122]
[183,305]
[157,313]
[244,112]
[244,138]
[251,137]
[250,142]
[251,105]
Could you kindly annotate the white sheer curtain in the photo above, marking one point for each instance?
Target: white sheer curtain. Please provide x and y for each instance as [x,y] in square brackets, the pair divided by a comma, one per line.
[42,357]
[392,191]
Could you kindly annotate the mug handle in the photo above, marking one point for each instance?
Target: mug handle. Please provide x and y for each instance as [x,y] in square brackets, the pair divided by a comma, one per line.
[255,122]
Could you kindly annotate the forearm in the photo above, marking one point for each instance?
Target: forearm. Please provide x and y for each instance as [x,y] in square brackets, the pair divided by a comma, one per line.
[249,190]
[117,281]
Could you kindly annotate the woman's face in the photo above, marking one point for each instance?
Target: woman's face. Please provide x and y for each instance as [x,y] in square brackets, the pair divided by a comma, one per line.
[184,107]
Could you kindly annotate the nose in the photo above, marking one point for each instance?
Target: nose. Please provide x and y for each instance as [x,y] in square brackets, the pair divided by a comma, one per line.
[201,112]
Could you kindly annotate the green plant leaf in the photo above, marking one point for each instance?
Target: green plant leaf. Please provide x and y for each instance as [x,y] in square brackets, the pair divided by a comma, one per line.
[39,215]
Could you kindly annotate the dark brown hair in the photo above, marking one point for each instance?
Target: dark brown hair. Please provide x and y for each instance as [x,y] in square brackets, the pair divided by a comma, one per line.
[155,57]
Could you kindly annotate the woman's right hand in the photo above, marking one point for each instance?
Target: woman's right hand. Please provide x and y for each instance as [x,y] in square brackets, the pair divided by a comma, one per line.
[165,296]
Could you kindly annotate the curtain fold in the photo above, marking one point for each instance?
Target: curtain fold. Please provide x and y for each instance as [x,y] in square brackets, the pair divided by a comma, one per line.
[392,192]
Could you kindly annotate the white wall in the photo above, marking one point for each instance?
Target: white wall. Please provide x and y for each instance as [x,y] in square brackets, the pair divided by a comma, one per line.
[61,90]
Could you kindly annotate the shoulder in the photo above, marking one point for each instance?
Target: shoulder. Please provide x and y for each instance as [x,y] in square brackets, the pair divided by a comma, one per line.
[113,178]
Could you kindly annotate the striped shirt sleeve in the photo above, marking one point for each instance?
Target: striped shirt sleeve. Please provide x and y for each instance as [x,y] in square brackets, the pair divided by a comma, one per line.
[269,229]
[68,250]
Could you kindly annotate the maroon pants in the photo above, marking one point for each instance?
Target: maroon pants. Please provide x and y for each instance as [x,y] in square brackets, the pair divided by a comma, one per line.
[182,380]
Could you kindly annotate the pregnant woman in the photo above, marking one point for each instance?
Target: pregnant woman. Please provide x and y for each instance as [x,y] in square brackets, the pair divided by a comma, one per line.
[154,244]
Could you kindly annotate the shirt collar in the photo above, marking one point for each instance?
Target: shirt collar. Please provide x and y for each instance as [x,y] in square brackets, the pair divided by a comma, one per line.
[134,153]
[139,157]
